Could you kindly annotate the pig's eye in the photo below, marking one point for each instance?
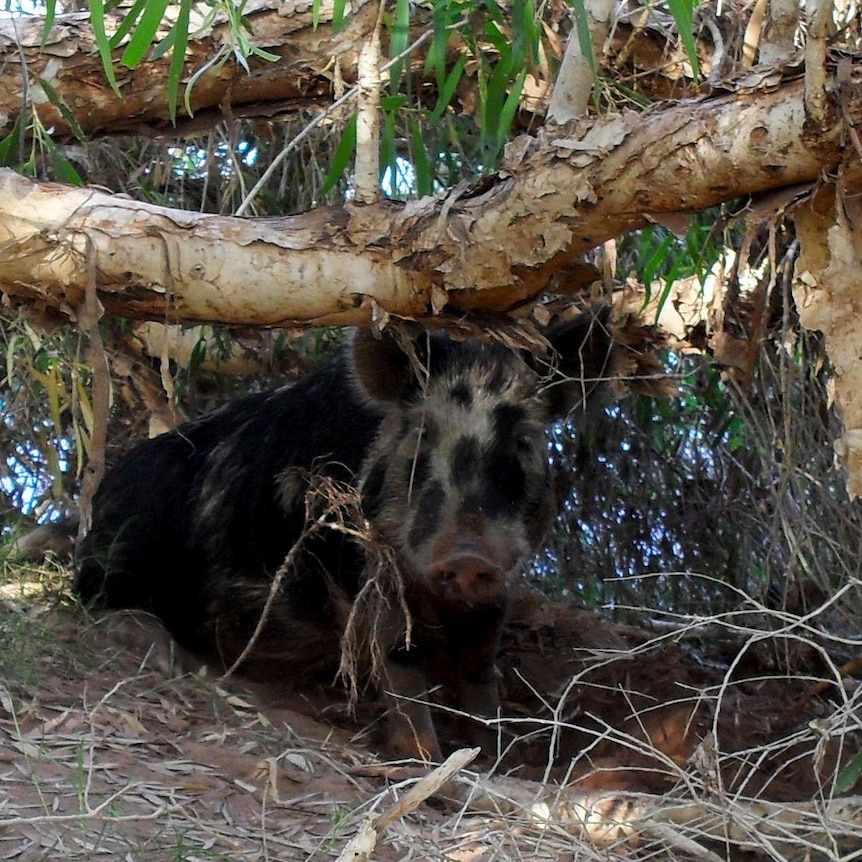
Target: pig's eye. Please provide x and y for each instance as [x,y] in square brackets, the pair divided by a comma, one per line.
[524,445]
[426,434]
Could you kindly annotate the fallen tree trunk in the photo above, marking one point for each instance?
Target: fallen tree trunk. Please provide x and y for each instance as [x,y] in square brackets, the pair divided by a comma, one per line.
[69,63]
[491,246]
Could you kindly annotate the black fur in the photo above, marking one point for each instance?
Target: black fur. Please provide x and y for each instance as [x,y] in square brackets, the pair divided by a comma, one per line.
[193,525]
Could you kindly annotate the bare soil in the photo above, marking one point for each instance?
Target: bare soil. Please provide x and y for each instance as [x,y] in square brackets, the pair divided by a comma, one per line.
[115,746]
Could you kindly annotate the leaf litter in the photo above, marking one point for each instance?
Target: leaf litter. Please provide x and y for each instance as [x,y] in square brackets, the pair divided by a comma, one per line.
[108,755]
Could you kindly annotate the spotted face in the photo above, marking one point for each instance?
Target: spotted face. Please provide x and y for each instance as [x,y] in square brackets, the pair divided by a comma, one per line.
[458,481]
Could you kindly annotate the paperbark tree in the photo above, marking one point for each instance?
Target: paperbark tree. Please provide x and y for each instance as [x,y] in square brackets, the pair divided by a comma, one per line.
[490,247]
[67,60]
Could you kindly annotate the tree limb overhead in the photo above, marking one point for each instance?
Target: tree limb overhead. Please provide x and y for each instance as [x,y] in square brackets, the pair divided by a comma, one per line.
[490,246]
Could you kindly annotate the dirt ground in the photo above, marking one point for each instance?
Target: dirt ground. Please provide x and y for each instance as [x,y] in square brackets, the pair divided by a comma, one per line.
[112,752]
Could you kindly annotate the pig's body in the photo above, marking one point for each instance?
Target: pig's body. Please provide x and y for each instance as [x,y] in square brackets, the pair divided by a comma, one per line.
[451,462]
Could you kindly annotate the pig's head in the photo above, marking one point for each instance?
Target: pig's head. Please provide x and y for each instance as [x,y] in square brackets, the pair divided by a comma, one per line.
[458,479]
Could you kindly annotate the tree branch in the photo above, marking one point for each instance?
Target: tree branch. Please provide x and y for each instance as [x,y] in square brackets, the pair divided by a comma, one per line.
[71,66]
[489,247]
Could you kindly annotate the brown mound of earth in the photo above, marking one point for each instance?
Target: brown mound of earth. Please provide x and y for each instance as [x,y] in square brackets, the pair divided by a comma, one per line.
[116,753]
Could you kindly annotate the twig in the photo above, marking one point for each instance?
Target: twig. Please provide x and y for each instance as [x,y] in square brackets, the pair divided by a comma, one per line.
[352,93]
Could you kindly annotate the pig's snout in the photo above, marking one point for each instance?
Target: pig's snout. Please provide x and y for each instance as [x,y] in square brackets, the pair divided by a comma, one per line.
[469,578]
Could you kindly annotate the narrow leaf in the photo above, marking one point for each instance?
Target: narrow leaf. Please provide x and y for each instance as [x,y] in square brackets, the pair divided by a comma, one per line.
[399,38]
[145,33]
[64,169]
[421,165]
[850,774]
[338,8]
[84,403]
[525,33]
[50,14]
[683,14]
[657,260]
[388,151]
[510,106]
[585,40]
[391,104]
[444,97]
[63,108]
[343,154]
[435,59]
[128,22]
[10,146]
[178,55]
[266,55]
[97,21]
[495,97]
[164,46]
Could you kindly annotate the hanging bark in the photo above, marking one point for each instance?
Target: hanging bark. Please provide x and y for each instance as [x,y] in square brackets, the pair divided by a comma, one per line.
[574,84]
[828,293]
[489,247]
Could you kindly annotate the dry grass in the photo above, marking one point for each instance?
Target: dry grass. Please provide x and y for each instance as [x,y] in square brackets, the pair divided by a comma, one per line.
[109,755]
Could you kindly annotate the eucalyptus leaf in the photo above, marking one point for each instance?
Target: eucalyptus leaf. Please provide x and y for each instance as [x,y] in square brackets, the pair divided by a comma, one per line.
[145,33]
[344,152]
[97,22]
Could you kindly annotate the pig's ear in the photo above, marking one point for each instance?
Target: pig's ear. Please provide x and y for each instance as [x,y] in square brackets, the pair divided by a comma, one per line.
[585,356]
[381,366]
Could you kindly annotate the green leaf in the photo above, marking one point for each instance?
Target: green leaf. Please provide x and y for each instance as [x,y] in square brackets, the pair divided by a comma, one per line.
[216,62]
[145,33]
[657,260]
[97,22]
[498,39]
[585,40]
[178,55]
[164,46]
[399,39]
[64,169]
[315,13]
[632,95]
[341,159]
[443,15]
[50,14]
[526,33]
[510,106]
[128,22]
[266,55]
[421,165]
[496,93]
[665,294]
[63,108]
[388,151]
[198,355]
[10,146]
[850,774]
[338,16]
[390,104]
[444,97]
[683,14]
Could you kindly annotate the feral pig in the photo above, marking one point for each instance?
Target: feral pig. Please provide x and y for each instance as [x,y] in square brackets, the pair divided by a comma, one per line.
[446,445]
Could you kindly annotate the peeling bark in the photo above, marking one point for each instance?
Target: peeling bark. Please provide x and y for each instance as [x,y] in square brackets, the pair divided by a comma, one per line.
[490,247]
[820,16]
[70,64]
[779,31]
[828,293]
[367,167]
